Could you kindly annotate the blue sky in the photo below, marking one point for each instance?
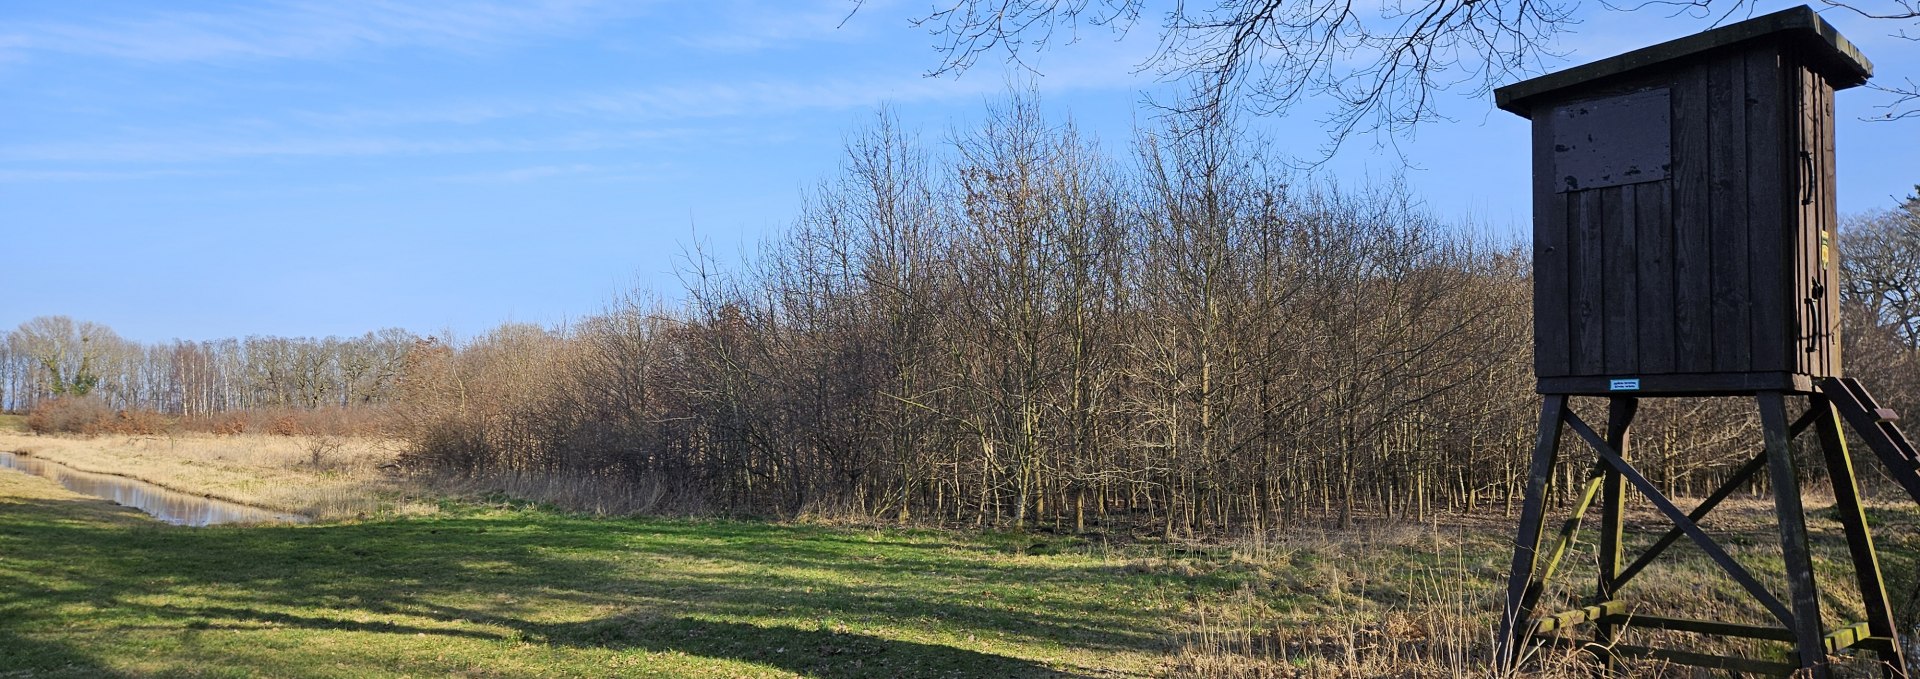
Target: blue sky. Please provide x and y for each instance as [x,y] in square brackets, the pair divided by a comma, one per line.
[202,170]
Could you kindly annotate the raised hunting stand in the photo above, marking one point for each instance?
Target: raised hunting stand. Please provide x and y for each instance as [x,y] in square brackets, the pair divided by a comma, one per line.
[1684,227]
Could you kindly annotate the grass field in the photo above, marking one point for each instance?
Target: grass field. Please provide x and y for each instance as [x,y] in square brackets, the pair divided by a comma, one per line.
[506,589]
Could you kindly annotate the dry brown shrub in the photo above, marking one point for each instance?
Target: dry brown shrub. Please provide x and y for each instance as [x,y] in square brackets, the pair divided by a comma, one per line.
[68,416]
[136,423]
[228,423]
[330,421]
[230,426]
[349,421]
[285,424]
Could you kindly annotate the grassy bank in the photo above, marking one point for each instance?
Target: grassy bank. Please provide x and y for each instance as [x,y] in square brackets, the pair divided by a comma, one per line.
[505,589]
[319,476]
[324,477]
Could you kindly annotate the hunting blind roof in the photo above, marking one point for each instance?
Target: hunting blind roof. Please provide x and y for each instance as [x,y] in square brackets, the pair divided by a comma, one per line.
[1828,53]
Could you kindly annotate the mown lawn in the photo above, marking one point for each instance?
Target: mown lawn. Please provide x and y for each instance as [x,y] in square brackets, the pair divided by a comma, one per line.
[88,589]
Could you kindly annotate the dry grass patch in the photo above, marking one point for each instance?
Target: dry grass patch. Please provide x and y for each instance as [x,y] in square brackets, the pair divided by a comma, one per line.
[323,477]
[581,493]
[1406,600]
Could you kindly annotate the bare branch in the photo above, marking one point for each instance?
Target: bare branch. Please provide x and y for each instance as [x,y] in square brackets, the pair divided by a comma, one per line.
[1360,68]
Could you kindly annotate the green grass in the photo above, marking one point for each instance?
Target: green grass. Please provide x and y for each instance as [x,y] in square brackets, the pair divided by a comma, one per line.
[13,422]
[87,589]
[510,590]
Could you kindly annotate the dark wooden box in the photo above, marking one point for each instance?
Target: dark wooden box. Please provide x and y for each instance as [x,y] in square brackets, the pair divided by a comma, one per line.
[1684,218]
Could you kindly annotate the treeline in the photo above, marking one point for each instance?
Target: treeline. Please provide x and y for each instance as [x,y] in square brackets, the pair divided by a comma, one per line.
[54,357]
[1016,327]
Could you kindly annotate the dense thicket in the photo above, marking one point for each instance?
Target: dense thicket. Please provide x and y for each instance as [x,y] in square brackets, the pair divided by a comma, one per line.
[1016,327]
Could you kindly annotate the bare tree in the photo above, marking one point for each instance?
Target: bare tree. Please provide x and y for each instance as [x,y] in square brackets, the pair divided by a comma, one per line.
[69,353]
[1880,299]
[1376,67]
[1880,266]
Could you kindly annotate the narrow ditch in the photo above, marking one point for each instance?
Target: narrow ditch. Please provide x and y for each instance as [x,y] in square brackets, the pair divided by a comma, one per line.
[165,504]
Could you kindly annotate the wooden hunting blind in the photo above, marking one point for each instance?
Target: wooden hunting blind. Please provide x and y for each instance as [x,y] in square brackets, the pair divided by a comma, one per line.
[1684,211]
[1685,245]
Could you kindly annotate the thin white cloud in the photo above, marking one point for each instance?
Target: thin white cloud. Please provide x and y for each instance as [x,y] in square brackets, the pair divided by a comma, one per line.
[522,175]
[180,150]
[680,105]
[593,119]
[301,29]
[706,100]
[8,176]
[471,113]
[759,26]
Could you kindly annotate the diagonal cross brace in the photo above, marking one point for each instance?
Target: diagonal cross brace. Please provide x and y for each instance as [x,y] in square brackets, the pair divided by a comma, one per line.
[1733,483]
[1568,531]
[1680,520]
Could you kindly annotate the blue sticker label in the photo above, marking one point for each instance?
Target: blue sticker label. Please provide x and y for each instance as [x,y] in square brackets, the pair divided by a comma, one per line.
[1625,385]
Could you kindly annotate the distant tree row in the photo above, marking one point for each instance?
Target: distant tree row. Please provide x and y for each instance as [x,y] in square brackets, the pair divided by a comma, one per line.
[54,356]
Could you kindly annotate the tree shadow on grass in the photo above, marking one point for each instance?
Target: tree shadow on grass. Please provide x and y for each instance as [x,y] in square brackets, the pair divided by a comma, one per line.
[504,572]
[823,653]
[47,660]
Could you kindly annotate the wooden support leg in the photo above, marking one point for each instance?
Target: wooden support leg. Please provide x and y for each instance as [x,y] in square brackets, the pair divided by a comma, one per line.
[1613,496]
[1517,617]
[1806,624]
[1853,519]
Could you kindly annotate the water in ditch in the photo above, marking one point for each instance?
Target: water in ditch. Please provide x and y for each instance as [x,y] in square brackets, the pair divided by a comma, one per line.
[180,509]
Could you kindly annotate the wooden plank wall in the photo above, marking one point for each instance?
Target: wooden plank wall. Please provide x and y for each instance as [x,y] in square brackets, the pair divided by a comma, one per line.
[1653,228]
[1773,234]
[1828,197]
[1707,271]
[1806,262]
[1693,245]
[1586,282]
[1727,150]
[1551,342]
[1815,273]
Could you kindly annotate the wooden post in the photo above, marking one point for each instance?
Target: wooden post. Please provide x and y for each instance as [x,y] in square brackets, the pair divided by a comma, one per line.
[1853,519]
[1526,547]
[1613,497]
[1806,624]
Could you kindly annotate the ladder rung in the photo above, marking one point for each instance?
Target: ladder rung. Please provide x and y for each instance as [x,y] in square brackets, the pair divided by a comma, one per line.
[1876,425]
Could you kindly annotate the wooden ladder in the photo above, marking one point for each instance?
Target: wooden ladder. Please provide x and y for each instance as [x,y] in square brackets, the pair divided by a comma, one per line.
[1876,425]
